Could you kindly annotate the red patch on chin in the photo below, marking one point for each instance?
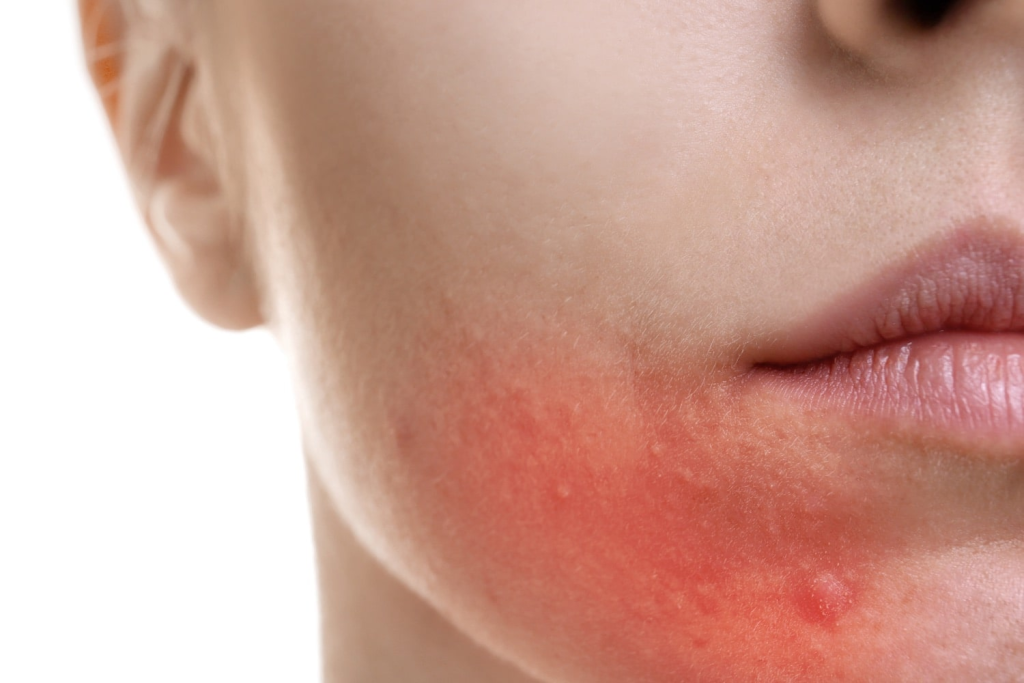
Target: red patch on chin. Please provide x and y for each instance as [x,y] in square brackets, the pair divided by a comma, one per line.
[623,520]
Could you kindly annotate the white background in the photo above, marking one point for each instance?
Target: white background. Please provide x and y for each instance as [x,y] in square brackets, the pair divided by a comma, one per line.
[153,522]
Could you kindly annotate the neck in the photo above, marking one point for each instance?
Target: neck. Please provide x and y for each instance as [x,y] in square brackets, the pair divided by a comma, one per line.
[374,629]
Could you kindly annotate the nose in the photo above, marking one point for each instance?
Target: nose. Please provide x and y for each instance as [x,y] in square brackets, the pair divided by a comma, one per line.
[904,34]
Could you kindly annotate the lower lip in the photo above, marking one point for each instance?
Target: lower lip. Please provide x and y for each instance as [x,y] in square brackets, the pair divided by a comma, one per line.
[967,384]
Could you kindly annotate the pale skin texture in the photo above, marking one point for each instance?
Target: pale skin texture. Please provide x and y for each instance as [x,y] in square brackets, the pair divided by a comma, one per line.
[517,253]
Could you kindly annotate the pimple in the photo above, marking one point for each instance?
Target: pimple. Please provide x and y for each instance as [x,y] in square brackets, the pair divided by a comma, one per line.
[824,598]
[670,518]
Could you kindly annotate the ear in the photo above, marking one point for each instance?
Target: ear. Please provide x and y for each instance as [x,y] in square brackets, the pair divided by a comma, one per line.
[151,87]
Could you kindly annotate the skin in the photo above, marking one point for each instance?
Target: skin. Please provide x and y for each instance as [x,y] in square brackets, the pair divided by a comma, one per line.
[520,256]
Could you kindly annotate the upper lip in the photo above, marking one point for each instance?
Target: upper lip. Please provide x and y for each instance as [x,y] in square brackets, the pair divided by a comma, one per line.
[969,280]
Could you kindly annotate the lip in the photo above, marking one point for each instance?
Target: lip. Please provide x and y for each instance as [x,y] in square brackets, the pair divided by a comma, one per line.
[935,343]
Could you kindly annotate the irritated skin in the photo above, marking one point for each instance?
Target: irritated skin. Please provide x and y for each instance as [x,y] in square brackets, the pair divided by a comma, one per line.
[654,533]
[523,254]
[650,533]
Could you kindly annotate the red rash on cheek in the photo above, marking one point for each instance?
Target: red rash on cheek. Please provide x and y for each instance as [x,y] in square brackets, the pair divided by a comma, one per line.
[599,518]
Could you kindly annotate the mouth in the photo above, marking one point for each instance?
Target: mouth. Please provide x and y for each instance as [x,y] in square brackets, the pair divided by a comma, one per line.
[935,344]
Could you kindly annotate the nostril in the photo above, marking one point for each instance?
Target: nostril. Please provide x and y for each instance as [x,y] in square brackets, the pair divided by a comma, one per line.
[909,36]
[924,14]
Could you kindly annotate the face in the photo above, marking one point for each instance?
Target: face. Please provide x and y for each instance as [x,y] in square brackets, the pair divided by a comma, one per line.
[570,288]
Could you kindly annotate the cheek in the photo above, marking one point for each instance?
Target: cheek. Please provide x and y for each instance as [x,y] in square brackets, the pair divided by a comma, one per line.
[589,516]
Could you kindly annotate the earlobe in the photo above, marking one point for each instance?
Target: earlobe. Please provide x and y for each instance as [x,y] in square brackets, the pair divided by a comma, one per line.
[195,232]
[150,85]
